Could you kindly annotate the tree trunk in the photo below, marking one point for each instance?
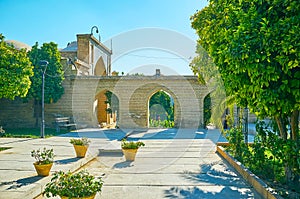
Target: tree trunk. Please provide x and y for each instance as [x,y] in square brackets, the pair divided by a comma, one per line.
[281,127]
[294,126]
[295,137]
[288,174]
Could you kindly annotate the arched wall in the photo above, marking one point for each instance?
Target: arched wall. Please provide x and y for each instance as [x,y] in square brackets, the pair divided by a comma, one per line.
[139,103]
[134,93]
[157,89]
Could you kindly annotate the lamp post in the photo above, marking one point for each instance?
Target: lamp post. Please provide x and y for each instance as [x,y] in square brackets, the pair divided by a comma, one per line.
[97,31]
[45,64]
[246,110]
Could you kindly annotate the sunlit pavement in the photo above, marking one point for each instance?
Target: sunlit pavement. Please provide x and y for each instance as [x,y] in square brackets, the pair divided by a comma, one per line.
[173,164]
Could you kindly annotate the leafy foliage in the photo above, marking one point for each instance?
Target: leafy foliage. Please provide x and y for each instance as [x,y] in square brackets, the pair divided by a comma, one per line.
[131,144]
[15,71]
[162,123]
[255,45]
[2,131]
[82,141]
[207,110]
[204,67]
[112,101]
[54,73]
[164,100]
[206,70]
[44,156]
[237,145]
[70,185]
[161,110]
[269,157]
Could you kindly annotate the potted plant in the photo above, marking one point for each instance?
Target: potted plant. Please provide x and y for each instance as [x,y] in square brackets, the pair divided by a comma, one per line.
[73,185]
[80,145]
[130,148]
[44,160]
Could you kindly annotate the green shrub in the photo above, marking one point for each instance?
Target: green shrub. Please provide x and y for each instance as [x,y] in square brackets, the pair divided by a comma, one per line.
[131,144]
[81,141]
[71,185]
[45,156]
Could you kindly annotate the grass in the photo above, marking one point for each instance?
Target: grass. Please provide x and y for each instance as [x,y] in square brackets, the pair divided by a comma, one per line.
[4,148]
[31,132]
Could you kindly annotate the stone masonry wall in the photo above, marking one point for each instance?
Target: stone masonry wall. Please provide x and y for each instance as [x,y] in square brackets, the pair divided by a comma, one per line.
[133,93]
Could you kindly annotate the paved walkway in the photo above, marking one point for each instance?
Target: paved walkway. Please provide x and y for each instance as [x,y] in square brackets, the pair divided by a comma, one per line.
[18,178]
[182,166]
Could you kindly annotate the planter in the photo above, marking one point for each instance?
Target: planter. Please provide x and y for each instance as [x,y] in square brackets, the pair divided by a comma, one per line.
[129,154]
[80,150]
[86,197]
[42,169]
[262,188]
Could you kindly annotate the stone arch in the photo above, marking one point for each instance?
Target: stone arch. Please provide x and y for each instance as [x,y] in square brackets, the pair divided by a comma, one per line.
[139,104]
[100,69]
[171,96]
[106,114]
[133,94]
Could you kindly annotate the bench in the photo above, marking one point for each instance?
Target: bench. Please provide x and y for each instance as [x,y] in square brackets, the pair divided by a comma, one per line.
[64,122]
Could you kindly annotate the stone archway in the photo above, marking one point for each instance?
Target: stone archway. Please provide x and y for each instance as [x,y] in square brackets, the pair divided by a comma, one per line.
[106,110]
[134,93]
[139,104]
[161,112]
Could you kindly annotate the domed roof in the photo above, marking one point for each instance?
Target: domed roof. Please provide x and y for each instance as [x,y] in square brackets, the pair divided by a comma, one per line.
[71,47]
[19,45]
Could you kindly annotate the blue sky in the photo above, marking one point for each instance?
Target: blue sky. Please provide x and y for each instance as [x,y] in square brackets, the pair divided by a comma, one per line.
[31,21]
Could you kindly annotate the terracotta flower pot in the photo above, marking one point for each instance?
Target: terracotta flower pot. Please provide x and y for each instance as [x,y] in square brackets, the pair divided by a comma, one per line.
[42,169]
[80,150]
[129,154]
[86,197]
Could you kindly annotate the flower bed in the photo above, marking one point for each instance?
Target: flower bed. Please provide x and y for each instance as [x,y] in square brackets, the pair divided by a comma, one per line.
[262,188]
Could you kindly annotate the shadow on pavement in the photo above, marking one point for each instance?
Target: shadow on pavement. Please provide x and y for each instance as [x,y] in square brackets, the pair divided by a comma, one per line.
[66,161]
[21,182]
[195,192]
[219,182]
[121,165]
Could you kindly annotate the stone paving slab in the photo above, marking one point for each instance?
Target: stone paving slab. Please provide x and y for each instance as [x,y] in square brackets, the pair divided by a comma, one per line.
[178,192]
[168,176]
[18,178]
[166,168]
[174,179]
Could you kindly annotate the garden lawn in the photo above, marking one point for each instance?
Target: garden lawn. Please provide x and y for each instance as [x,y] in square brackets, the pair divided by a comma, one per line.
[31,132]
[4,148]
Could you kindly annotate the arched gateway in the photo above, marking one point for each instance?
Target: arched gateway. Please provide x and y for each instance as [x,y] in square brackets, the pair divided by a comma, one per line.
[88,77]
[133,94]
[86,91]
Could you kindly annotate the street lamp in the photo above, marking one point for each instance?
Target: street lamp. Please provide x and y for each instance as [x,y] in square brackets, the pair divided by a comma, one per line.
[246,110]
[97,31]
[45,64]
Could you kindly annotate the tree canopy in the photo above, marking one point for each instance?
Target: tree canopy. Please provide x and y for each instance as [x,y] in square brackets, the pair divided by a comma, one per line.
[15,71]
[164,100]
[255,46]
[54,73]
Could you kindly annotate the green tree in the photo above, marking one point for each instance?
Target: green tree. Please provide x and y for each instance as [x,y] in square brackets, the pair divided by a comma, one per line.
[53,77]
[113,102]
[164,100]
[255,45]
[15,71]
[206,70]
